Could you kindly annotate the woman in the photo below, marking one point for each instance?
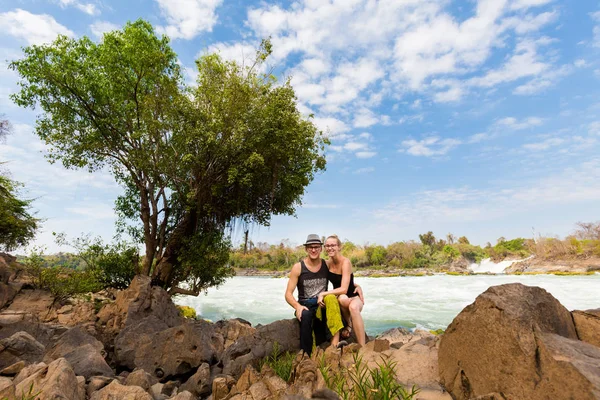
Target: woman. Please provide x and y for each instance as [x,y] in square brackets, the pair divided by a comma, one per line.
[341,276]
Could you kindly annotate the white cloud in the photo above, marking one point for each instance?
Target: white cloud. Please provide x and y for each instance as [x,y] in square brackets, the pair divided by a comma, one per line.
[95,211]
[99,28]
[428,147]
[515,124]
[365,170]
[188,18]
[580,63]
[32,28]
[355,146]
[333,127]
[354,55]
[87,8]
[242,53]
[523,63]
[544,144]
[365,154]
[365,118]
[522,4]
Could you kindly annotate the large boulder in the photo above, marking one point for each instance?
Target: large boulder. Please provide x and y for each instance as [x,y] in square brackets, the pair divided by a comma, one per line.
[251,348]
[82,351]
[587,324]
[495,345]
[139,301]
[135,335]
[38,303]
[176,351]
[20,346]
[56,381]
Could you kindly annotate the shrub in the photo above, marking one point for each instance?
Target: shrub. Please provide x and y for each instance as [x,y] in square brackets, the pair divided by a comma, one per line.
[280,362]
[187,312]
[359,382]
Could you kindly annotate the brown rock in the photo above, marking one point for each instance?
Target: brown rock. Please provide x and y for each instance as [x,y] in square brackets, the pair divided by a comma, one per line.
[20,346]
[587,324]
[96,383]
[82,351]
[251,348]
[493,345]
[28,371]
[115,391]
[185,395]
[140,378]
[38,303]
[247,379]
[232,330]
[69,341]
[8,291]
[568,369]
[135,335]
[78,314]
[57,381]
[7,389]
[14,369]
[175,351]
[259,391]
[379,345]
[276,385]
[140,300]
[199,383]
[221,386]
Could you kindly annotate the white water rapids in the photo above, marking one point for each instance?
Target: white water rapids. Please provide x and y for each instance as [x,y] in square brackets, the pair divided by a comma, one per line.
[429,302]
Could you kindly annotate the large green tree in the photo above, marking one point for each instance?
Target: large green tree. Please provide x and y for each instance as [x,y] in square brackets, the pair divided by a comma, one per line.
[17,225]
[193,160]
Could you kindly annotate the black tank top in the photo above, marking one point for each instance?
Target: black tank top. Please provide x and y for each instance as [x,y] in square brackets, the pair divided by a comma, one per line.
[310,284]
[336,281]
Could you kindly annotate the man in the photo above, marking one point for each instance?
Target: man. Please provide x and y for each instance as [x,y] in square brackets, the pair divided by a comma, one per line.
[310,277]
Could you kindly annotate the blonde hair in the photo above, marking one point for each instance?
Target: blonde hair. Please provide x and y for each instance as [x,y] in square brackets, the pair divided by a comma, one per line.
[339,242]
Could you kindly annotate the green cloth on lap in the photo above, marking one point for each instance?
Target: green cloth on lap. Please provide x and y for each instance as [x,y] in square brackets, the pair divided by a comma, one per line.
[334,315]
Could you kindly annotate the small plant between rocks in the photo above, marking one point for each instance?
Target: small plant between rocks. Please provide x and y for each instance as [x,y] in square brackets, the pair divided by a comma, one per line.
[359,382]
[280,362]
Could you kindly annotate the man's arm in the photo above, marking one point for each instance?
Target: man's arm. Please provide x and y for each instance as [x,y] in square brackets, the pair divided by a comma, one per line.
[289,291]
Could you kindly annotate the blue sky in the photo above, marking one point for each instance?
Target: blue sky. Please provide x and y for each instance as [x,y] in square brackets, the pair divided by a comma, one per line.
[480,118]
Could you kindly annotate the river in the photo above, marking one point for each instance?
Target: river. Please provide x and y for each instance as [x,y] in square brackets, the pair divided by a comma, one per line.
[428,302]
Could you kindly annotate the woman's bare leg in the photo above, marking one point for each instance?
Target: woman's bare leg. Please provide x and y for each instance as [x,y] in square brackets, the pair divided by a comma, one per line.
[358,325]
[344,308]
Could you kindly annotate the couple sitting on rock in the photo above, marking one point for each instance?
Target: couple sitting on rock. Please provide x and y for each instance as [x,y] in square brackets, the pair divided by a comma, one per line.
[344,303]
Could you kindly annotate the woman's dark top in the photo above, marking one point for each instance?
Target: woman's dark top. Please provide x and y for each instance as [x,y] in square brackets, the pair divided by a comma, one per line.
[310,284]
[336,281]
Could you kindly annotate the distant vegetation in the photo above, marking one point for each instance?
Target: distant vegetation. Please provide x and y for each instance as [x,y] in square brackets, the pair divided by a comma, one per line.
[429,251]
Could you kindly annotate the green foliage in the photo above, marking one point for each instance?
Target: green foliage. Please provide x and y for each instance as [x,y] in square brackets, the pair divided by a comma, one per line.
[376,254]
[60,281]
[193,160]
[187,312]
[280,362]
[17,225]
[114,265]
[451,252]
[359,382]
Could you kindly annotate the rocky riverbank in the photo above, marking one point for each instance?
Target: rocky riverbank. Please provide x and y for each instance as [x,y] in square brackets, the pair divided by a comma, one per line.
[513,342]
[532,266]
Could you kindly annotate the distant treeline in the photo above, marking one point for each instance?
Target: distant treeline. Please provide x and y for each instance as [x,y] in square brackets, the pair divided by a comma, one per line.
[428,252]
